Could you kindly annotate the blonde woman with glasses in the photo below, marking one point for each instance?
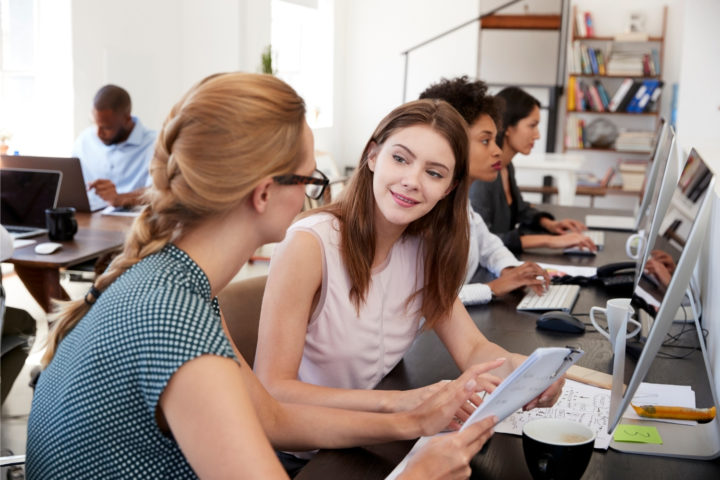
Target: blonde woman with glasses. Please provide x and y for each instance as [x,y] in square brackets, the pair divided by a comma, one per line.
[140,379]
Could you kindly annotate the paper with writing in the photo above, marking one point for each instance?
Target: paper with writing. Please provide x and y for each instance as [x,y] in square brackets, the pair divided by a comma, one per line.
[526,382]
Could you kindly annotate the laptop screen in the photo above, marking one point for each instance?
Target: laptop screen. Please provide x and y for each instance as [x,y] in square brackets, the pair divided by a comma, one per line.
[25,194]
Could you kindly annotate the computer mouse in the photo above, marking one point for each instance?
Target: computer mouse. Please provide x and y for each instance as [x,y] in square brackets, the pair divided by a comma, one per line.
[560,322]
[47,248]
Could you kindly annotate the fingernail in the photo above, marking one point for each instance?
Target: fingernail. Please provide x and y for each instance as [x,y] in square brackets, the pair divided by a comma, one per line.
[470,385]
[501,358]
[543,399]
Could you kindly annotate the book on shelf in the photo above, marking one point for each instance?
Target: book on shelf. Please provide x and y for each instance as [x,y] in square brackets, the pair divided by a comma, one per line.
[580,26]
[635,141]
[589,27]
[580,101]
[593,61]
[597,101]
[656,60]
[604,97]
[601,61]
[632,174]
[620,94]
[571,94]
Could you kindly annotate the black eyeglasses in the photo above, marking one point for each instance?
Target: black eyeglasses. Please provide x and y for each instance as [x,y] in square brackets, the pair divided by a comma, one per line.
[314,185]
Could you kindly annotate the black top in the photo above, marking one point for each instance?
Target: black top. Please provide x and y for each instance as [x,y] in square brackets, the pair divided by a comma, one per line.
[505,221]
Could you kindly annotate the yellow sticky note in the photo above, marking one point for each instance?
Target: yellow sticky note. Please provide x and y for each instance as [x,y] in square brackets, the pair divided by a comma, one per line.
[637,434]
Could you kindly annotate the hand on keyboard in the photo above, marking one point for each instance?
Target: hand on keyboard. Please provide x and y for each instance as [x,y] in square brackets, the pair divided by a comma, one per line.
[572,240]
[558,297]
[528,274]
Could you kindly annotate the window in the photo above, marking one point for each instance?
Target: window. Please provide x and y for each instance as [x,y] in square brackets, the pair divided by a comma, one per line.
[36,76]
[302,45]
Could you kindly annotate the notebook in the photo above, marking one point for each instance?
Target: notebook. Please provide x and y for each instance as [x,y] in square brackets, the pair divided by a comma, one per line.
[24,196]
[73,191]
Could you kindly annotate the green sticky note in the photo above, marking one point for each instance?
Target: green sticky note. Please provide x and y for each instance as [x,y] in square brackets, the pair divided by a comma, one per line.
[637,434]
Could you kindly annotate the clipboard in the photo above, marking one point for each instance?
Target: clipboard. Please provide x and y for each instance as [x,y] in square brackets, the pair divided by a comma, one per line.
[526,382]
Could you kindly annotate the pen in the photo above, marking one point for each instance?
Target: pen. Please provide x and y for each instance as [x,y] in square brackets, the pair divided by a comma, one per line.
[675,413]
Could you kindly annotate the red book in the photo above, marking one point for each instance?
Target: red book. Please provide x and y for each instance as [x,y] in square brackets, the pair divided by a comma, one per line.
[589,28]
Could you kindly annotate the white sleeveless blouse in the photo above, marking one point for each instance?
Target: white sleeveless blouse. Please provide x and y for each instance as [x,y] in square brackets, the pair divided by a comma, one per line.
[347,350]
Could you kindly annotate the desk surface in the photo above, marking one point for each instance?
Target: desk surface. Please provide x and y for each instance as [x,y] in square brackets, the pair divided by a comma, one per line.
[97,234]
[502,458]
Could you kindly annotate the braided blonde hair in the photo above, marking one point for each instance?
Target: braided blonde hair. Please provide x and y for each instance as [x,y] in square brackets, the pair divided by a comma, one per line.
[218,142]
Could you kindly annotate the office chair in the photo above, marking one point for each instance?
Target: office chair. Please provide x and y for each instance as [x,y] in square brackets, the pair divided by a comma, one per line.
[240,303]
[13,358]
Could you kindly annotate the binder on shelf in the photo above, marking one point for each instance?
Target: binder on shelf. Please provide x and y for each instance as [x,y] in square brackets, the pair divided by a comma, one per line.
[651,85]
[650,107]
[620,94]
[629,96]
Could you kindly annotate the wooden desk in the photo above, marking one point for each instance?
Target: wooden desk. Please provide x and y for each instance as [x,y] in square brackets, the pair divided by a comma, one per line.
[97,235]
[502,458]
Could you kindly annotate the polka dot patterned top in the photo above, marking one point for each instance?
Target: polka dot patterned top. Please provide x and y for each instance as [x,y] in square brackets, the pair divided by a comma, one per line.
[93,411]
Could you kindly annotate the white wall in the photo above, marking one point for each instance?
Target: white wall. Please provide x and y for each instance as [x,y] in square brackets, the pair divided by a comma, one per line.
[375,34]
[158,49]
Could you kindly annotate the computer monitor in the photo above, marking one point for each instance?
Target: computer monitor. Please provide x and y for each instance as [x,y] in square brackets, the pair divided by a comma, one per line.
[659,195]
[665,277]
[654,178]
[73,191]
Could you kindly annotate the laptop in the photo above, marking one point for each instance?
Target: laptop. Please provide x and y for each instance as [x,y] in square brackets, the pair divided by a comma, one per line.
[653,175]
[73,191]
[24,196]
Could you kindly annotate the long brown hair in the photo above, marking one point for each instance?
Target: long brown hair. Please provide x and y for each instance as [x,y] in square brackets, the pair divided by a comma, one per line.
[218,142]
[444,230]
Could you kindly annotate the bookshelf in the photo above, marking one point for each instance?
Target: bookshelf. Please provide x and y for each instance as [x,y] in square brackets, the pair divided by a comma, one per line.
[605,75]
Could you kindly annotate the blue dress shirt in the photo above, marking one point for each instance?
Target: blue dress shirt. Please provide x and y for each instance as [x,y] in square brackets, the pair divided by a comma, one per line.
[126,164]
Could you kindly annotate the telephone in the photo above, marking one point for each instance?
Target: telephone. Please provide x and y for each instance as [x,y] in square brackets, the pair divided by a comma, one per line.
[619,278]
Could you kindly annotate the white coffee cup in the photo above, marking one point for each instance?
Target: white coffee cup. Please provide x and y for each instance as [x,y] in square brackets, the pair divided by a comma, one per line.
[617,312]
[635,245]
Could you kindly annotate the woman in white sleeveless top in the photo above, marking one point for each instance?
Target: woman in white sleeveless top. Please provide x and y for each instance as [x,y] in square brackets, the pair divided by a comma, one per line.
[354,283]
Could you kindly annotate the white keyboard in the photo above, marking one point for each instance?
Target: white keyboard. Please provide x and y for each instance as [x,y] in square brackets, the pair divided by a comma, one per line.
[597,236]
[557,297]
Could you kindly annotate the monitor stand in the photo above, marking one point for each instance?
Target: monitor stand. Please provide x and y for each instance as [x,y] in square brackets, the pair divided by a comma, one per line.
[701,441]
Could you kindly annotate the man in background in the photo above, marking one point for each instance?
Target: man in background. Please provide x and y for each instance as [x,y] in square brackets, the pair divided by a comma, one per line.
[115,154]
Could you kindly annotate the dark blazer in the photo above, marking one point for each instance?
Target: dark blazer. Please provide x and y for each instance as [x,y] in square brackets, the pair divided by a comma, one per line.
[505,221]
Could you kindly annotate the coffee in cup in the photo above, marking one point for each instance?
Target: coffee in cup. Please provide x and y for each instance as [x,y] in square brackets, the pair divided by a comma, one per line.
[60,223]
[557,449]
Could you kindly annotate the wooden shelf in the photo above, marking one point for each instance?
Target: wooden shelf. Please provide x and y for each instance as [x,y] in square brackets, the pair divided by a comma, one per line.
[591,112]
[613,39]
[587,190]
[594,75]
[521,22]
[607,150]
